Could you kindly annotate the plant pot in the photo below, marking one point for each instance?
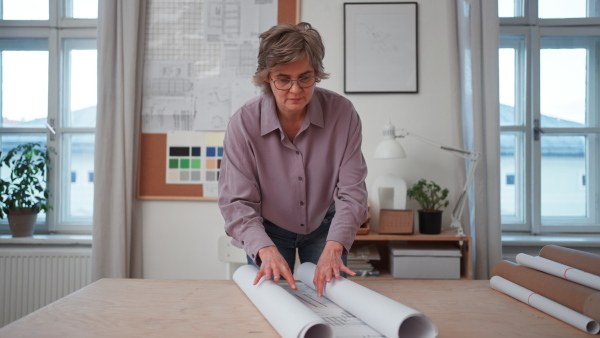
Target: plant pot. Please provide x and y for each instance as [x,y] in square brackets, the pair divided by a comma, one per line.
[22,222]
[430,222]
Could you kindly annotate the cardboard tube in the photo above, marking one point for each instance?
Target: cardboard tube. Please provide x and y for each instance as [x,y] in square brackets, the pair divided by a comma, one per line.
[545,305]
[584,261]
[572,295]
[559,270]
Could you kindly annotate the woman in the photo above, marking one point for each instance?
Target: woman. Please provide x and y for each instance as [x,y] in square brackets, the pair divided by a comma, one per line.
[292,175]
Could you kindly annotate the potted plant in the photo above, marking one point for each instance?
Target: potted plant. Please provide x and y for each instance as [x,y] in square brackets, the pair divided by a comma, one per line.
[24,193]
[432,198]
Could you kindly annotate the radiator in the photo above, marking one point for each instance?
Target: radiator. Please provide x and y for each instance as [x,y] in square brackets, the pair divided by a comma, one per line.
[31,278]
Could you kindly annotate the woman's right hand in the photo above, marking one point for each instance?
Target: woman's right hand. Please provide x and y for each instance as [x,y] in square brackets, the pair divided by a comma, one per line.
[273,264]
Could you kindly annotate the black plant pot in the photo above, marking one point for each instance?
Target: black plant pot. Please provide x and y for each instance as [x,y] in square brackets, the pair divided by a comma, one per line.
[430,222]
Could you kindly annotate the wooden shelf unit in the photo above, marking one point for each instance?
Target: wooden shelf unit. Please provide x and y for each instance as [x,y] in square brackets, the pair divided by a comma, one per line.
[381,240]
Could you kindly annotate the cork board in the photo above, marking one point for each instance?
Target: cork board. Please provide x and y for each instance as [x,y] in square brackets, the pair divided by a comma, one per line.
[151,182]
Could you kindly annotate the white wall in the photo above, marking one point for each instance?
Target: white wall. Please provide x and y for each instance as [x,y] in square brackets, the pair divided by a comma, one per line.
[180,237]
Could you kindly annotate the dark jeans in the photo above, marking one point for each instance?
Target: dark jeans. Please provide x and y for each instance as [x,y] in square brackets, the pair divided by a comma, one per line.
[309,246]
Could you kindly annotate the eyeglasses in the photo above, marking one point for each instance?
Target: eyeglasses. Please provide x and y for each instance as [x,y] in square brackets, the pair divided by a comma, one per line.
[303,82]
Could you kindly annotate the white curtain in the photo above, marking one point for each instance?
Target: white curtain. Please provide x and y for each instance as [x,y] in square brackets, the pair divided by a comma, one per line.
[478,34]
[117,237]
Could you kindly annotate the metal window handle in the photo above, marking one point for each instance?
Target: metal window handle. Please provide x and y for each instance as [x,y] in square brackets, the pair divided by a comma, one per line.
[51,129]
[537,130]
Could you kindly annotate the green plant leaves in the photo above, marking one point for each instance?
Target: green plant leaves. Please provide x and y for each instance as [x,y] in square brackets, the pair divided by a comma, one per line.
[26,186]
[430,196]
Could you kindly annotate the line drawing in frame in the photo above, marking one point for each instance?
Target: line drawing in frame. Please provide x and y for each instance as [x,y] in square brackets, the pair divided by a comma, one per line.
[381,47]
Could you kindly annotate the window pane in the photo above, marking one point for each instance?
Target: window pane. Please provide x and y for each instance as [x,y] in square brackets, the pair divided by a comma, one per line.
[563,165]
[510,8]
[507,86]
[78,197]
[82,9]
[10,141]
[561,9]
[25,10]
[24,88]
[80,110]
[512,187]
[564,86]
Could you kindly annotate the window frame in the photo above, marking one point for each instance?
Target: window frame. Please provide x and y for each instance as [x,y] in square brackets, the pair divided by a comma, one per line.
[521,129]
[56,30]
[534,29]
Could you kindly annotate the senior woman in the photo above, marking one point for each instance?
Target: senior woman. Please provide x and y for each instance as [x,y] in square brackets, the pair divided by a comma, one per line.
[293,174]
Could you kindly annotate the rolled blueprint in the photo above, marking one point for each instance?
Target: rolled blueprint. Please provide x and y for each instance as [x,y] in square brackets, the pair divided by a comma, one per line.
[288,316]
[584,261]
[545,305]
[384,314]
[559,270]
[572,295]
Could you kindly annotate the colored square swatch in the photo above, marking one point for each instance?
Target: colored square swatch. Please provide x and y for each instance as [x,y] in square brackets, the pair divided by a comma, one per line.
[185,163]
[196,163]
[211,151]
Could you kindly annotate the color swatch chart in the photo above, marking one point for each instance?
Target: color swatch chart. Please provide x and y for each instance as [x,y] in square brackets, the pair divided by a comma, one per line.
[194,157]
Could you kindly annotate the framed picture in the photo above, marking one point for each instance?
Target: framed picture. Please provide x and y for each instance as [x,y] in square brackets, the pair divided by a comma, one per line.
[380,47]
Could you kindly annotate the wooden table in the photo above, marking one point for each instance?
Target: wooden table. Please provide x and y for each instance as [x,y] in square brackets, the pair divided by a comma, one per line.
[208,308]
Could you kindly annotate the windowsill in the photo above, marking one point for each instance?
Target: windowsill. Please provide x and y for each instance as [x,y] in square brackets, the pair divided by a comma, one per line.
[75,240]
[570,240]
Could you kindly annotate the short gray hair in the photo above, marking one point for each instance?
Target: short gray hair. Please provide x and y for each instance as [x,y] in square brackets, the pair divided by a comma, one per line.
[287,43]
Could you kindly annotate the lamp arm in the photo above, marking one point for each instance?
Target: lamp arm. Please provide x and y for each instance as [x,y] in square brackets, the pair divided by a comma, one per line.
[460,152]
[460,204]
[473,157]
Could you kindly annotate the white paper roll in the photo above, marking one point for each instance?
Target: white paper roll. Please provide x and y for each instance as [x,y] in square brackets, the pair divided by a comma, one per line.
[384,314]
[559,270]
[287,315]
[545,305]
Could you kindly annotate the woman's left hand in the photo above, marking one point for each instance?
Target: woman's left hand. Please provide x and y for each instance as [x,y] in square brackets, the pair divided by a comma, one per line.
[329,266]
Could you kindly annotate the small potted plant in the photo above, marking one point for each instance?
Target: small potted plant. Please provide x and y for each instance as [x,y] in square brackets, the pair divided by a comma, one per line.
[432,198]
[24,193]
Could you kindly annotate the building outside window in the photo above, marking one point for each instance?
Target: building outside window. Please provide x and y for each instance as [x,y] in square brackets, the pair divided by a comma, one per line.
[549,66]
[48,67]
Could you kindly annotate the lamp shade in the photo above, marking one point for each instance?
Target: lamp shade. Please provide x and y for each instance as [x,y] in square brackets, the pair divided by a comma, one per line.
[389,147]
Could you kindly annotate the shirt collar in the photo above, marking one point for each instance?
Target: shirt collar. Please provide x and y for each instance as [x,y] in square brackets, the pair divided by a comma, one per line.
[270,122]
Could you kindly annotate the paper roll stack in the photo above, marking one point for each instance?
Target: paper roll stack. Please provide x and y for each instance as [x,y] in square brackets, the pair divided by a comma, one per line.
[569,293]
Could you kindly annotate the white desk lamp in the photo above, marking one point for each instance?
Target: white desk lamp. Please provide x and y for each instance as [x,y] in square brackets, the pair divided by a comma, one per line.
[390,148]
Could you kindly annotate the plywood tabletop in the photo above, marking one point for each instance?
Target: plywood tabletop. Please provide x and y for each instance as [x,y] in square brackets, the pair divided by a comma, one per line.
[210,308]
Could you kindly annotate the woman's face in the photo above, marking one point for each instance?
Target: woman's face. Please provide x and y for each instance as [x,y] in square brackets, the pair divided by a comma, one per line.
[294,100]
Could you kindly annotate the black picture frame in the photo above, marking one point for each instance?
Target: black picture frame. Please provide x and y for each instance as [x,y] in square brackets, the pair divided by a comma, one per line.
[381,47]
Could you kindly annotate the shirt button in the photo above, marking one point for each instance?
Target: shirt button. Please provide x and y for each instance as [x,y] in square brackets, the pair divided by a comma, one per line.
[301,203]
[302,224]
[252,255]
[242,242]
[297,153]
[299,178]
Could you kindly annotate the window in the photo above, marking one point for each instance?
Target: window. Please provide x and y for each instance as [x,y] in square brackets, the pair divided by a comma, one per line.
[510,179]
[549,66]
[48,63]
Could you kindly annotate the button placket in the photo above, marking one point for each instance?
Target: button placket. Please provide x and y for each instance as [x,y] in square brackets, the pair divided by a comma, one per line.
[301,191]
